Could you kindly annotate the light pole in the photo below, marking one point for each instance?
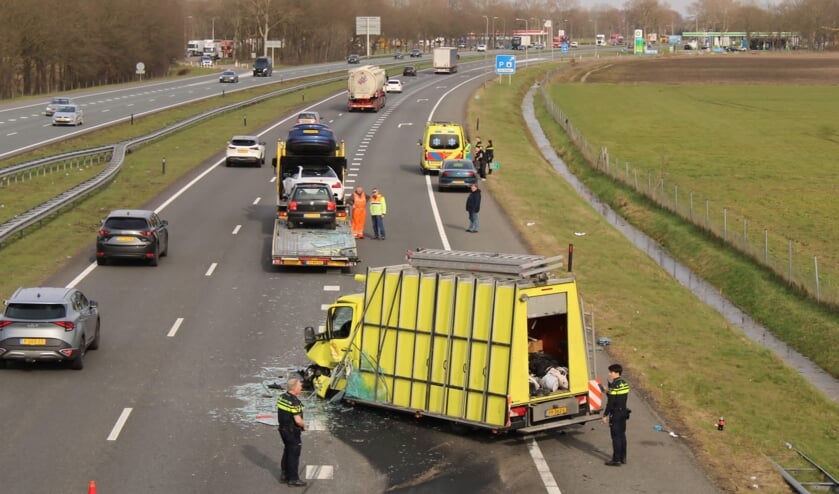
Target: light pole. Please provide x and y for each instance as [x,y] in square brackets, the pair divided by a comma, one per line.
[486,33]
[526,28]
[494,37]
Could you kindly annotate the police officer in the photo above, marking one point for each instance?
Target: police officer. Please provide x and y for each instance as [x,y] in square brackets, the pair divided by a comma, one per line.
[290,417]
[616,414]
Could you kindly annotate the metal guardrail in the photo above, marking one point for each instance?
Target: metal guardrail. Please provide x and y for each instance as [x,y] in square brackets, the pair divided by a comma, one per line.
[117,154]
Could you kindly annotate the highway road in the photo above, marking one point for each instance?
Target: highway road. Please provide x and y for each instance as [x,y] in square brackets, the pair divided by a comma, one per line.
[170,402]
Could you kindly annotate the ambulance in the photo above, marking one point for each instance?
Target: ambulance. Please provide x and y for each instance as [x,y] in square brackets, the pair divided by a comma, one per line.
[459,336]
[441,141]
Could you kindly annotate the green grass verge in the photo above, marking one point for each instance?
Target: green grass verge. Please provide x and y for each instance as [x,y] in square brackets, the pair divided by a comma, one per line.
[679,353]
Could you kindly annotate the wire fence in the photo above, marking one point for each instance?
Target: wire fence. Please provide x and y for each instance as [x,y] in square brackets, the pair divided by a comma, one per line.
[788,258]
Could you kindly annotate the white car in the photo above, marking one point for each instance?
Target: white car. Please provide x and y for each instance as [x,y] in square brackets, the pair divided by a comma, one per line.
[246,150]
[574,44]
[68,115]
[316,174]
[55,104]
[481,47]
[206,61]
[393,86]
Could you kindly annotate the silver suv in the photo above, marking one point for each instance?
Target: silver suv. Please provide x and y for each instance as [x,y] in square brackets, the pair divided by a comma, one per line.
[47,324]
[132,234]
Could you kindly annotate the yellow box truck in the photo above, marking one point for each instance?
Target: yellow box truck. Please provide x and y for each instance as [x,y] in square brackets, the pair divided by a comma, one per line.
[461,336]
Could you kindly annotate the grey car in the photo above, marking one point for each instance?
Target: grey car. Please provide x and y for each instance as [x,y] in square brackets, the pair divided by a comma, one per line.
[48,324]
[132,234]
[55,104]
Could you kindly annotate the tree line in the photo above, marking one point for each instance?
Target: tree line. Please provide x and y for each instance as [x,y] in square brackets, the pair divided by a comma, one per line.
[57,45]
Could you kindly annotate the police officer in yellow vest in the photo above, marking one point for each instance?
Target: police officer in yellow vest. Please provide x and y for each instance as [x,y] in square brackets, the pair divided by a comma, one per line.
[616,414]
[290,417]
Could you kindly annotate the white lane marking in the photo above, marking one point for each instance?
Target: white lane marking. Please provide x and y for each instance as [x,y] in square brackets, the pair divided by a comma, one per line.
[256,201]
[319,472]
[331,288]
[174,329]
[212,268]
[236,230]
[324,307]
[123,418]
[542,467]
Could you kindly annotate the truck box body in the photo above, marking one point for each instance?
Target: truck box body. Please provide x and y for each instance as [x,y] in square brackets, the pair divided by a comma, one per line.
[444,60]
[321,247]
[366,88]
[454,336]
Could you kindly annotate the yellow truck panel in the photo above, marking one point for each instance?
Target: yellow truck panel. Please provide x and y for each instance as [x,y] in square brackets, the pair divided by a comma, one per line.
[456,344]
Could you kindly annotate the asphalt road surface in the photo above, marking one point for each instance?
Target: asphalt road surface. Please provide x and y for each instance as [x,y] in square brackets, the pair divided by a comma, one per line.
[173,400]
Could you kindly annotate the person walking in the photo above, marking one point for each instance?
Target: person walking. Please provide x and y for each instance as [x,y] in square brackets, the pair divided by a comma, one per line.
[473,207]
[616,414]
[489,155]
[378,210]
[358,211]
[290,418]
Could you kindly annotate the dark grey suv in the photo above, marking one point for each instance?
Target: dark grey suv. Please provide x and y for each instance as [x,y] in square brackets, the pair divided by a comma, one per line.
[263,67]
[132,234]
[47,324]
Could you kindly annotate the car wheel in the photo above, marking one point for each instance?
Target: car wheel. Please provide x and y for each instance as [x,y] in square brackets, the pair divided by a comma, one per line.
[290,225]
[165,251]
[94,345]
[227,162]
[78,362]
[101,261]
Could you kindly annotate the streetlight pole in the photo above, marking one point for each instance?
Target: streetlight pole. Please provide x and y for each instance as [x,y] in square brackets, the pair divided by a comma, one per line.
[494,38]
[486,34]
[526,28]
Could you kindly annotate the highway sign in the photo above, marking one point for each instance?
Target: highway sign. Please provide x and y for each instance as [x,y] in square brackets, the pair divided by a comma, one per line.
[505,64]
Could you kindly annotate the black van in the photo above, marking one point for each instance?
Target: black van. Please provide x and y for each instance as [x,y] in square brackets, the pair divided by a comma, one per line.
[262,67]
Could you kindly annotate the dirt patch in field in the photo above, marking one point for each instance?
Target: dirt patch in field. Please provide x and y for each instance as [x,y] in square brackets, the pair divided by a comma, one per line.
[705,68]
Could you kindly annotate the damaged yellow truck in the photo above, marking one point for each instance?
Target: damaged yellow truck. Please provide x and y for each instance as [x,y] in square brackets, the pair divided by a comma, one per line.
[454,335]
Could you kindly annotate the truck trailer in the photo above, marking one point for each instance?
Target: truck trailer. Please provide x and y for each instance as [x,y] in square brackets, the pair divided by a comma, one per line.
[444,60]
[464,337]
[320,247]
[366,88]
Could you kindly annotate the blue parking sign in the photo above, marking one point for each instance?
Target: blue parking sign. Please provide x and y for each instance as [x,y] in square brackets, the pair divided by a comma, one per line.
[505,64]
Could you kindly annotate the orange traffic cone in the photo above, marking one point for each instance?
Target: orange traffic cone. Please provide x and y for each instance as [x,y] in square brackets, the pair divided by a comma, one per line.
[91,487]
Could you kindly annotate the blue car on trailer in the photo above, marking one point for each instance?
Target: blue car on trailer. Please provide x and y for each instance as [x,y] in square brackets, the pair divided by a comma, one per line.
[311,139]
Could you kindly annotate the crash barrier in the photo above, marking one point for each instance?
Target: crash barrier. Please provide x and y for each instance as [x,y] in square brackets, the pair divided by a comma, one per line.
[115,154]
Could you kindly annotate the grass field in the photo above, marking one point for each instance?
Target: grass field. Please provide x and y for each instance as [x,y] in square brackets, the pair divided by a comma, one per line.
[681,354]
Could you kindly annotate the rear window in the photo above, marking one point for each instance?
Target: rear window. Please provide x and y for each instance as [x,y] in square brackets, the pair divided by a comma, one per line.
[243,142]
[444,141]
[463,165]
[126,224]
[318,172]
[35,312]
[312,194]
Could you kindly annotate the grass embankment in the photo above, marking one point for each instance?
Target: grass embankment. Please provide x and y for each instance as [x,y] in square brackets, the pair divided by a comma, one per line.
[682,355]
[42,251]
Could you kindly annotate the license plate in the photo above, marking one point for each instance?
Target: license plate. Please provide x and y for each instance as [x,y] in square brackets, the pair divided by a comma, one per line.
[458,182]
[315,263]
[553,412]
[311,215]
[33,341]
[243,151]
[125,239]
[311,131]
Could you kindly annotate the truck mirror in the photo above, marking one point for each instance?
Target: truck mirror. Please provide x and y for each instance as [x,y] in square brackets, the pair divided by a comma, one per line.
[309,335]
[274,162]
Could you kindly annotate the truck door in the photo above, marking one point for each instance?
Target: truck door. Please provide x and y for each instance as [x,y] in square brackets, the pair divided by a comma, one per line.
[340,322]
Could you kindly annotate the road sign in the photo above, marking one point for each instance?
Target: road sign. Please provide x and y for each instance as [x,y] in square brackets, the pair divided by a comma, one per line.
[505,64]
[141,68]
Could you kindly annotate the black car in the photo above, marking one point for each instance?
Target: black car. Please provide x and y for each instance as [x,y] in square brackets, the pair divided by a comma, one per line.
[263,67]
[311,139]
[398,55]
[353,59]
[409,70]
[457,174]
[132,234]
[416,53]
[311,203]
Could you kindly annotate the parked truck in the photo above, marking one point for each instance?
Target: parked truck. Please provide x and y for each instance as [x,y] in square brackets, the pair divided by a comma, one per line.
[464,337]
[366,88]
[321,247]
[444,60]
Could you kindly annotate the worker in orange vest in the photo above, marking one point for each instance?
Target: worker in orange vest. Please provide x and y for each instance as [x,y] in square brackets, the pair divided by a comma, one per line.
[358,211]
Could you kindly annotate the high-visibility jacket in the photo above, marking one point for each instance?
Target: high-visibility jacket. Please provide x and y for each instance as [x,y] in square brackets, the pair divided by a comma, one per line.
[378,205]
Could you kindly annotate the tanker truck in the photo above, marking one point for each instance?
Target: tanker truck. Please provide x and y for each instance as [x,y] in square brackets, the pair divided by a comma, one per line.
[366,88]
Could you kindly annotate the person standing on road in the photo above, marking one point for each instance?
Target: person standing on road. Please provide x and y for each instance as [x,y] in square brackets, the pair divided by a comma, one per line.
[291,424]
[378,210]
[358,210]
[489,155]
[616,414]
[473,207]
[480,162]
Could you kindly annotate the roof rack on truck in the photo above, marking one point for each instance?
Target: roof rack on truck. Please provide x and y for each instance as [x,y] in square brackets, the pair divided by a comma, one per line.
[522,266]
